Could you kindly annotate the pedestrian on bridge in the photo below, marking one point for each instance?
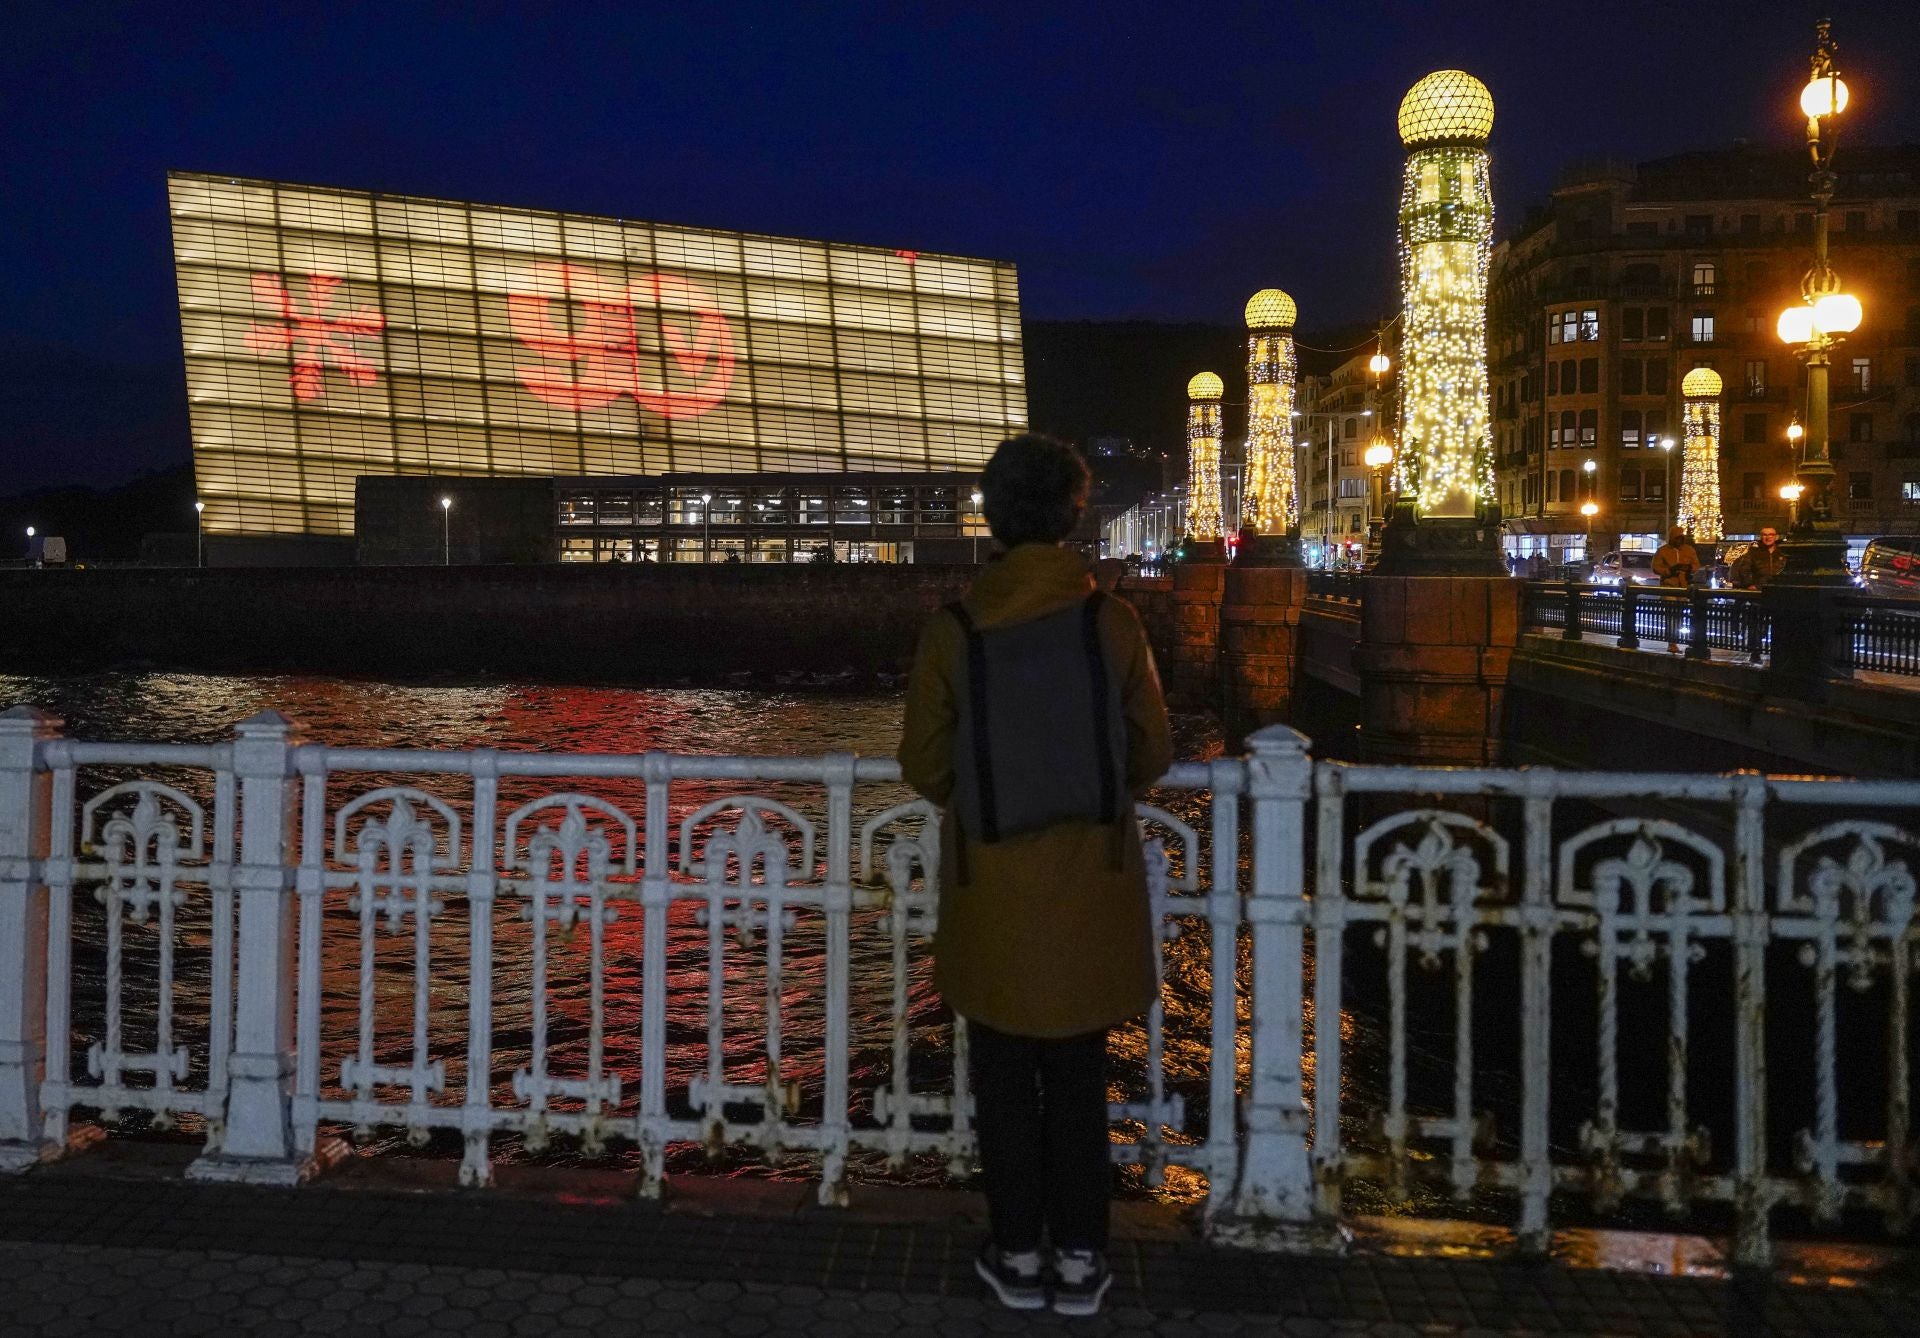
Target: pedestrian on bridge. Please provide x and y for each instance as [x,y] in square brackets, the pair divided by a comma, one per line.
[1754,570]
[1675,563]
[1034,716]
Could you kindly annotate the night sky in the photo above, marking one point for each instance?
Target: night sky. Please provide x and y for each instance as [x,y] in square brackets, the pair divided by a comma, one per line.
[1153,161]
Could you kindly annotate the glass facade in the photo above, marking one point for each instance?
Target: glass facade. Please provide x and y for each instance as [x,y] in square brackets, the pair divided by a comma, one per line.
[334,333]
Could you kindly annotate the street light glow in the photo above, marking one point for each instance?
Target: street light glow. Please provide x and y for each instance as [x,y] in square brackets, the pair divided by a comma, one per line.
[446,503]
[1795,431]
[1836,313]
[1796,324]
[1589,509]
[199,505]
[1380,454]
[1824,97]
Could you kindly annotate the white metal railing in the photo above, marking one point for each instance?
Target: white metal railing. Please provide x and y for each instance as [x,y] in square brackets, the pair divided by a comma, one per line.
[270,937]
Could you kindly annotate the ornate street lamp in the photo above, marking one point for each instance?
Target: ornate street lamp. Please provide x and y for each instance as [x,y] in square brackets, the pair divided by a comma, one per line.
[1816,548]
[446,531]
[1204,521]
[1379,458]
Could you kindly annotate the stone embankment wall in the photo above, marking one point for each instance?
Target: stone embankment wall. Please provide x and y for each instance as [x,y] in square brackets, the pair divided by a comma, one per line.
[587,623]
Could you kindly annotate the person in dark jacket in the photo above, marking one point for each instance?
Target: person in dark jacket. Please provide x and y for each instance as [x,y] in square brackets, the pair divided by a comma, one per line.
[1754,570]
[1045,936]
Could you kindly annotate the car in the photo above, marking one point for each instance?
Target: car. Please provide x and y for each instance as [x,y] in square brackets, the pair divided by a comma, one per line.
[1891,565]
[1720,569]
[1625,569]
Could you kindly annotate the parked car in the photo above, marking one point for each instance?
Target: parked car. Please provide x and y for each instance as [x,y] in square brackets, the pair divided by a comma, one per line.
[1625,569]
[1720,569]
[1891,565]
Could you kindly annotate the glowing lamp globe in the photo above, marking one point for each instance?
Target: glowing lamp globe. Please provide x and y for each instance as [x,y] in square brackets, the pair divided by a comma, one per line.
[1790,492]
[1836,313]
[1271,309]
[1796,325]
[1824,97]
[1206,386]
[1446,107]
[1701,383]
[1379,455]
[1795,431]
[1379,363]
[1589,509]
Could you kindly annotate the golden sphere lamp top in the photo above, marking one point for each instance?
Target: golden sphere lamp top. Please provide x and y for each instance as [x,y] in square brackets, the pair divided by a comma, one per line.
[1701,383]
[1446,107]
[1271,309]
[1206,386]
[1824,95]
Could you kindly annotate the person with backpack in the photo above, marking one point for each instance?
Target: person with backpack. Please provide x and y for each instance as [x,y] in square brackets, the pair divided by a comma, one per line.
[1034,717]
[1675,563]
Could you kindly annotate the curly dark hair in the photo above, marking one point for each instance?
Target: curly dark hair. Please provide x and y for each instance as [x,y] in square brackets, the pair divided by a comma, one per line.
[1034,490]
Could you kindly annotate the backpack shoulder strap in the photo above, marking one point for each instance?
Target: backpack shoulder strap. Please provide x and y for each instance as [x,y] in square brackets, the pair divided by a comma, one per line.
[982,727]
[1102,691]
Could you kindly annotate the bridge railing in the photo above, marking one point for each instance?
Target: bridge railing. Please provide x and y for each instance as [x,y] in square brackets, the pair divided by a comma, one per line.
[1690,991]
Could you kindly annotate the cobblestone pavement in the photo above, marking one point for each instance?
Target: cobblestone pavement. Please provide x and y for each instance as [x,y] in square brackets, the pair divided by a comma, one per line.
[98,1255]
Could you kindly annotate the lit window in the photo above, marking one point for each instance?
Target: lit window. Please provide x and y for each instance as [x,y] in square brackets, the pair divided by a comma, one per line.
[1910,492]
[1703,327]
[1590,324]
[1863,375]
[1703,278]
[1629,429]
[1756,378]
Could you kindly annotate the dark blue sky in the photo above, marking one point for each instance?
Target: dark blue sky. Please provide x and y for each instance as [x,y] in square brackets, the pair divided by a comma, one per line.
[1157,161]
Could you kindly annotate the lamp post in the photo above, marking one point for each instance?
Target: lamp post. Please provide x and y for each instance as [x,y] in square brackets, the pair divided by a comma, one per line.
[977,497]
[199,534]
[1589,509]
[446,530]
[1589,471]
[706,524]
[1816,550]
[1379,456]
[1667,511]
[30,556]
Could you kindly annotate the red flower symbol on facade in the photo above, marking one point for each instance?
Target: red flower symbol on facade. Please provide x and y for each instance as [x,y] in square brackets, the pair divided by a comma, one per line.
[317,335]
[601,354]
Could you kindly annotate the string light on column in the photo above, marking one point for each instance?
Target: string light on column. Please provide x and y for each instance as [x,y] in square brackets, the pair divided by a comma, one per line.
[1699,509]
[1270,503]
[1446,240]
[1203,455]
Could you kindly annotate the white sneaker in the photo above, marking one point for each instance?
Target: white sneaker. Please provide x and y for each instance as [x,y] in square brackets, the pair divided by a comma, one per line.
[1019,1280]
[1080,1281]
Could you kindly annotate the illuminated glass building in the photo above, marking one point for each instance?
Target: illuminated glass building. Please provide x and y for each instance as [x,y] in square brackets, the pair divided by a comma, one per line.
[335,334]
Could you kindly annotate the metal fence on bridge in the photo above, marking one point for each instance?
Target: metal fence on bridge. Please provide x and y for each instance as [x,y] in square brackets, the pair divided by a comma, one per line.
[1571,985]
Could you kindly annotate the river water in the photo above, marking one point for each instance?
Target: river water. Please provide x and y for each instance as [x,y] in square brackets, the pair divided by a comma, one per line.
[197,708]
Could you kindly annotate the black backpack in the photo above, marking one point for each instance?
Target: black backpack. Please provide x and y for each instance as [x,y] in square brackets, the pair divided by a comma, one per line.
[1041,737]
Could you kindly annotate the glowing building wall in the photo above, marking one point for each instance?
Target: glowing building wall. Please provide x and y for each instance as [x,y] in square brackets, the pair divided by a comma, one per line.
[1446,239]
[1203,456]
[1269,502]
[333,333]
[1698,511]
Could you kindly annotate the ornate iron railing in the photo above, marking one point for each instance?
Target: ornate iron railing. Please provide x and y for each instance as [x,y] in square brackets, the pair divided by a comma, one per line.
[1574,983]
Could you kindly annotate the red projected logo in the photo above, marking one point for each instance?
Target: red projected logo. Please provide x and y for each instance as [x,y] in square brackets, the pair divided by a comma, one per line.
[597,360]
[317,334]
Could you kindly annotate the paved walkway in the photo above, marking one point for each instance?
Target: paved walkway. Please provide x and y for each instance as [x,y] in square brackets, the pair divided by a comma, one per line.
[102,1251]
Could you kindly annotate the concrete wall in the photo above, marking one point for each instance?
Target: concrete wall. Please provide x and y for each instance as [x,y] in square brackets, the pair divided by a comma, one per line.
[576,623]
[397,520]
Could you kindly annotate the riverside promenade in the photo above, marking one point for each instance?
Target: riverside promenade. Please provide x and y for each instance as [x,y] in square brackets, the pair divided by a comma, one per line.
[114,1241]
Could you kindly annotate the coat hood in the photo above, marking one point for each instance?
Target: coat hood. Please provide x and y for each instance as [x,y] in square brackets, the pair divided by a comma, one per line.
[1028,582]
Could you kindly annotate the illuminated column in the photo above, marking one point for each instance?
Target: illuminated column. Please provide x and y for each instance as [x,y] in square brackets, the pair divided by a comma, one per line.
[1270,503]
[1446,238]
[1699,510]
[1203,457]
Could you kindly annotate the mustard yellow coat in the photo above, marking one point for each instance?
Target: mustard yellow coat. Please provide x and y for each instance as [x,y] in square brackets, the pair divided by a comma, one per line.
[1052,935]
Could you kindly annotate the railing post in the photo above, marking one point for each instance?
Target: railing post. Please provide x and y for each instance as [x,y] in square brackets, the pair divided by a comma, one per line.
[257,1144]
[1272,1206]
[25,810]
[1629,615]
[1699,643]
[1570,622]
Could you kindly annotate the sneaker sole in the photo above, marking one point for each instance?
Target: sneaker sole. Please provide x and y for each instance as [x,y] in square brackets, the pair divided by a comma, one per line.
[1010,1298]
[1083,1305]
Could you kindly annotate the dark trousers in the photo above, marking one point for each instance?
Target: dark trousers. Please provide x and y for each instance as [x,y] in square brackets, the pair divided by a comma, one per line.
[1040,1109]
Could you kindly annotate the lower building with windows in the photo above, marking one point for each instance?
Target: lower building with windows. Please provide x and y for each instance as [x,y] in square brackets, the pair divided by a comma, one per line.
[762,518]
[1630,277]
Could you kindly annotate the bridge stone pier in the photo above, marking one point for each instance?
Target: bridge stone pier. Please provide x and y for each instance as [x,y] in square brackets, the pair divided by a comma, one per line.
[1192,659]
[1433,659]
[1259,643]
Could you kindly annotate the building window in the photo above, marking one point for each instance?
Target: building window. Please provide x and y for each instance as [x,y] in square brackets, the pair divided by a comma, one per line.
[1656,376]
[1753,427]
[1756,320]
[1568,421]
[1565,328]
[1756,378]
[1352,487]
[1629,485]
[1589,376]
[1860,427]
[1631,379]
[1913,427]
[1656,485]
[1589,429]
[1566,485]
[1703,327]
[1910,492]
[1629,429]
[1633,325]
[615,508]
[1856,220]
[1749,225]
[1590,324]
[1350,428]
[1860,486]
[1699,225]
[1656,323]
[1752,486]
[1863,375]
[1703,278]
[576,508]
[1553,378]
[1656,426]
